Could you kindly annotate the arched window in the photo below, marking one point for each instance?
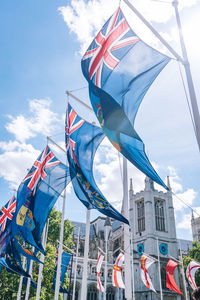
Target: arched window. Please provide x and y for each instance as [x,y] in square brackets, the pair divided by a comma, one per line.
[94,270]
[110,293]
[159,215]
[140,216]
[79,269]
[110,273]
[92,292]
[77,291]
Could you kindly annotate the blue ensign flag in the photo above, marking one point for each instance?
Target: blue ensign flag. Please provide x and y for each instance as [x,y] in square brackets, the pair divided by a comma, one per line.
[6,215]
[37,195]
[64,264]
[120,68]
[82,140]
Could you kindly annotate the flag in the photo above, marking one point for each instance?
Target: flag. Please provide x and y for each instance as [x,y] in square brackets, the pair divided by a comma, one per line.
[120,68]
[146,262]
[37,195]
[190,273]
[23,248]
[170,281]
[99,264]
[82,140]
[33,284]
[64,264]
[12,266]
[117,272]
[6,215]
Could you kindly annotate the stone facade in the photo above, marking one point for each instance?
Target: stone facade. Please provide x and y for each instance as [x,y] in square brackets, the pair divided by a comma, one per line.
[195,223]
[152,227]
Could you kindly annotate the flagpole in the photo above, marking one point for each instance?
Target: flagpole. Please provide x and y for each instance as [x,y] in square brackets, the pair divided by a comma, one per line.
[153,30]
[106,260]
[161,292]
[133,277]
[182,272]
[75,267]
[85,261]
[193,99]
[127,258]
[29,279]
[57,287]
[41,266]
[21,281]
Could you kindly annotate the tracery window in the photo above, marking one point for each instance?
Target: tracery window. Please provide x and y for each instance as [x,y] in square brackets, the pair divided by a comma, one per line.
[159,215]
[141,216]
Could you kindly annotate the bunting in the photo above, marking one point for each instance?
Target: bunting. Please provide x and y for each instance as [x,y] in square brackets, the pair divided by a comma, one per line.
[117,272]
[99,264]
[146,262]
[190,273]
[170,281]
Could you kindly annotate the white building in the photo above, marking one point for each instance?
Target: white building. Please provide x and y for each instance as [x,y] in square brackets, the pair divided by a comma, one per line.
[152,223]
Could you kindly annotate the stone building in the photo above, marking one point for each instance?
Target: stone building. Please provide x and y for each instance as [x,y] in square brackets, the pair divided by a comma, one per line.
[195,223]
[152,229]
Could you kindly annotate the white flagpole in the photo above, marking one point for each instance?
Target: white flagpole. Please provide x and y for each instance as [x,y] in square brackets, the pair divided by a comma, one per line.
[133,277]
[106,261]
[75,267]
[127,257]
[21,281]
[85,261]
[193,99]
[29,279]
[57,287]
[44,241]
[161,292]
[182,272]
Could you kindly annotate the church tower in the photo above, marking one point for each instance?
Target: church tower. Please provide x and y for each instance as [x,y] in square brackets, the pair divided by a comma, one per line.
[153,230]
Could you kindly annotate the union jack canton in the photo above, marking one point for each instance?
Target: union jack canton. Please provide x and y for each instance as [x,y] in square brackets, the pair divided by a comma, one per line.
[111,44]
[6,213]
[73,122]
[46,160]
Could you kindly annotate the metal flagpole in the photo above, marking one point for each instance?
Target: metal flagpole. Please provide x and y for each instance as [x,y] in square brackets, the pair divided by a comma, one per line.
[57,287]
[127,257]
[21,281]
[182,272]
[193,99]
[184,61]
[29,279]
[85,261]
[161,292]
[133,278]
[75,267]
[106,261]
[44,241]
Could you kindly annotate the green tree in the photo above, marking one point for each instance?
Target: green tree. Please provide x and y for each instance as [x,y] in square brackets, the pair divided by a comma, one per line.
[9,282]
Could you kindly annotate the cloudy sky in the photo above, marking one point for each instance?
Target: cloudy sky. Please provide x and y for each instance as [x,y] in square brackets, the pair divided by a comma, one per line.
[41,47]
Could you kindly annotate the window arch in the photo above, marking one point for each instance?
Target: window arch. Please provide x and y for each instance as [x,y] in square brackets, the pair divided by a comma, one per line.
[92,292]
[159,215]
[141,215]
[110,293]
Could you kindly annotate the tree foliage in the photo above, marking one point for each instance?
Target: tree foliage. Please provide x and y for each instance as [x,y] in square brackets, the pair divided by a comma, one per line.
[9,282]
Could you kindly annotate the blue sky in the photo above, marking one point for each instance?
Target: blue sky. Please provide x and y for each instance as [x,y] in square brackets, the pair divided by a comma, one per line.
[41,46]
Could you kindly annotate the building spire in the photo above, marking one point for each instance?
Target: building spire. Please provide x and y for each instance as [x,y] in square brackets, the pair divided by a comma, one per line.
[131,189]
[192,218]
[149,184]
[168,183]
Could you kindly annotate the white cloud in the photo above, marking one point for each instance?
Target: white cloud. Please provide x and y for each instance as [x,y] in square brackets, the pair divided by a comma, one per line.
[15,161]
[91,16]
[185,222]
[40,119]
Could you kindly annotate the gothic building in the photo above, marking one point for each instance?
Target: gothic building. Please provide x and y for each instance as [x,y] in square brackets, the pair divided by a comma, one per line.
[195,223]
[152,230]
